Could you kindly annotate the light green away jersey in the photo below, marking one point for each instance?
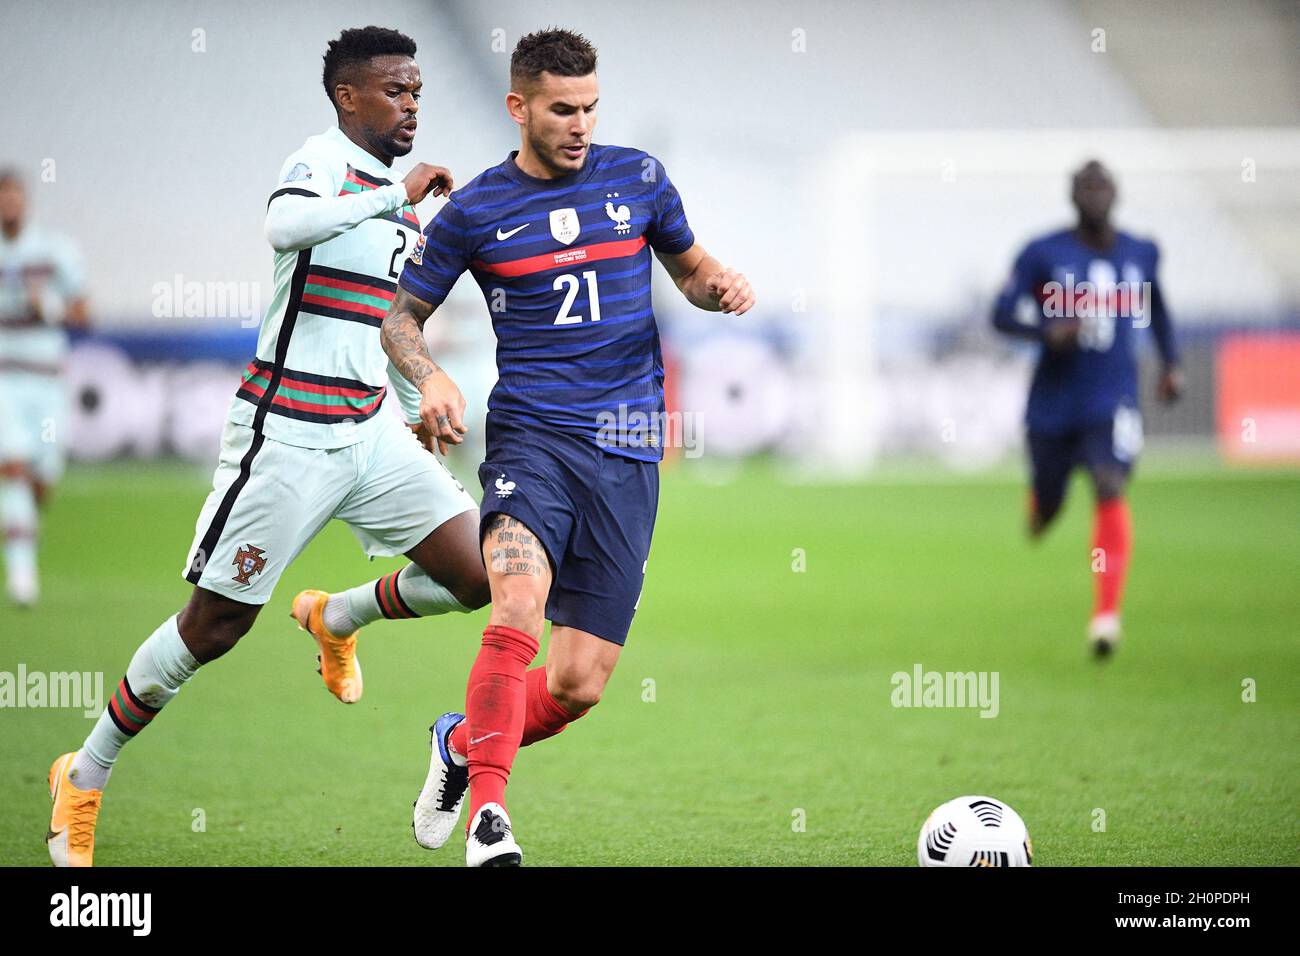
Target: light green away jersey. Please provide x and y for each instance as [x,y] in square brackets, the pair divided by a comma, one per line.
[40,272]
[342,231]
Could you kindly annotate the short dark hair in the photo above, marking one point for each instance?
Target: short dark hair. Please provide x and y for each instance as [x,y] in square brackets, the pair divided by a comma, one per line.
[355,47]
[561,52]
[1092,166]
[9,176]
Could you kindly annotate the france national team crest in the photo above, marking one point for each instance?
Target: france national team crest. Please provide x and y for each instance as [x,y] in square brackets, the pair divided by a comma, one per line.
[564,225]
[249,561]
[621,215]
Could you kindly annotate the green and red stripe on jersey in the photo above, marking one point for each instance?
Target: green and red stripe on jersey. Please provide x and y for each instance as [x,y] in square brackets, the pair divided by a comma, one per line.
[352,296]
[128,711]
[309,397]
[389,598]
[358,182]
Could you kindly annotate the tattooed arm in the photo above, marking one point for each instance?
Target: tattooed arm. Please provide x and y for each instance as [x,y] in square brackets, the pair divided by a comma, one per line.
[442,407]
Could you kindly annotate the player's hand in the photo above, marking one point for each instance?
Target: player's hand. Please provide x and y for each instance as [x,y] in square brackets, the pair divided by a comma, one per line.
[442,410]
[731,291]
[425,437]
[1061,335]
[1171,384]
[425,179]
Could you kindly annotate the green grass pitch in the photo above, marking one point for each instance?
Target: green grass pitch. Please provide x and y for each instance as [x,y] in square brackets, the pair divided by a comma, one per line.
[750,718]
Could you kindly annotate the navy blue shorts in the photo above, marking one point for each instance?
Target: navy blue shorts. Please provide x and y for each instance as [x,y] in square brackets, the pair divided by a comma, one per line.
[593,511]
[1108,444]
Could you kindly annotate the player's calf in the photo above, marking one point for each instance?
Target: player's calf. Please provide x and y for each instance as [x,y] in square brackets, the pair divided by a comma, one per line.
[579,665]
[450,555]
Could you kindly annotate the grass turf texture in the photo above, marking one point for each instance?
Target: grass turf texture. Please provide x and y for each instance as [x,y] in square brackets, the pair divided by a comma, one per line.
[771,688]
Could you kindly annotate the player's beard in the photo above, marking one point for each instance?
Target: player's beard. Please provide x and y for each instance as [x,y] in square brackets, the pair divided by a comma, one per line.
[388,144]
[548,154]
[396,147]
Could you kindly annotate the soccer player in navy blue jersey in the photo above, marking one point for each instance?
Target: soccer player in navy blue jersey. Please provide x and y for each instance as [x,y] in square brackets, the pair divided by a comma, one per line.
[1082,293]
[558,237]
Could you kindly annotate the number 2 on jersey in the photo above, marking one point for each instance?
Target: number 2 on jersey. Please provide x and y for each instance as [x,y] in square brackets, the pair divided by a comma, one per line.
[401,247]
[570,284]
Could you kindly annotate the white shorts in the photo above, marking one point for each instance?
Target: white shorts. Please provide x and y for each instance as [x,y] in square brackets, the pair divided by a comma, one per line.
[270,499]
[32,416]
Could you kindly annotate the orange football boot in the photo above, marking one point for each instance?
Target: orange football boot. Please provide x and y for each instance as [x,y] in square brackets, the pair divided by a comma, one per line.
[71,839]
[337,657]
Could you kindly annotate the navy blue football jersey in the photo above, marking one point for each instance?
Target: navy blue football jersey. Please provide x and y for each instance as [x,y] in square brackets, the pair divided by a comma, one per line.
[1113,294]
[564,265]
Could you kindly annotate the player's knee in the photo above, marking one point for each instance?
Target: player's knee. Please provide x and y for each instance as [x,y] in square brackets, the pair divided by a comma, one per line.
[211,628]
[1109,483]
[520,609]
[575,692]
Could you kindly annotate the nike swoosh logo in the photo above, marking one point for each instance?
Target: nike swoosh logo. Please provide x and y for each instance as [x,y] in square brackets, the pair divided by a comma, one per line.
[479,740]
[53,835]
[506,235]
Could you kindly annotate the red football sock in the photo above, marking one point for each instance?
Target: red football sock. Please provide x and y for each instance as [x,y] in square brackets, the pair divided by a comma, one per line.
[544,717]
[495,704]
[1112,542]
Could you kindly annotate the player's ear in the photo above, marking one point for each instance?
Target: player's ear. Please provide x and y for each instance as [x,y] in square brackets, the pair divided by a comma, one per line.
[344,101]
[517,107]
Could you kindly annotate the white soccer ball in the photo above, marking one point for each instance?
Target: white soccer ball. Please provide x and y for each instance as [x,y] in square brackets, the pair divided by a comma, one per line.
[974,831]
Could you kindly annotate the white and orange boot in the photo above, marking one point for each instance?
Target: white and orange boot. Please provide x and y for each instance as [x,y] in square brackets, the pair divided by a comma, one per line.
[71,839]
[337,656]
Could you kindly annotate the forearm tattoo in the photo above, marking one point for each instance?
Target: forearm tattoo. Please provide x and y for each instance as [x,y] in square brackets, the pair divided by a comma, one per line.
[402,336]
[513,549]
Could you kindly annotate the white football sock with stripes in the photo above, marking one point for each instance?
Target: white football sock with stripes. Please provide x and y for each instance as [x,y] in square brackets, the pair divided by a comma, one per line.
[161,665]
[407,593]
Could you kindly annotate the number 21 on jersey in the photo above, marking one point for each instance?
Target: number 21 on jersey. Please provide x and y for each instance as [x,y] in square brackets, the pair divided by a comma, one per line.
[570,284]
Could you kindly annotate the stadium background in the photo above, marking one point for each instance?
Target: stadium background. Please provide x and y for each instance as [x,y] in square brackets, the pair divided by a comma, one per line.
[856,491]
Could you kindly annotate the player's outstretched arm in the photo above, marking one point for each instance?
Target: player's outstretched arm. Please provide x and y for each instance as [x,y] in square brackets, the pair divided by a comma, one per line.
[706,284]
[297,218]
[442,407]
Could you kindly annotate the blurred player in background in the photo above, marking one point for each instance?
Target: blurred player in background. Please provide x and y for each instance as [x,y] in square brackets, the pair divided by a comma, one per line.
[1081,292]
[308,438]
[41,293]
[558,237]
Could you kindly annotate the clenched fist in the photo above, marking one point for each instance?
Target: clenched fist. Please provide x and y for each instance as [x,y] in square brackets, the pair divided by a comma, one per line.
[731,290]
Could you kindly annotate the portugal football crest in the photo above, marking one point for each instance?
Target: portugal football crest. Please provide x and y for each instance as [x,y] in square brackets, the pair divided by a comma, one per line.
[564,225]
[249,561]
